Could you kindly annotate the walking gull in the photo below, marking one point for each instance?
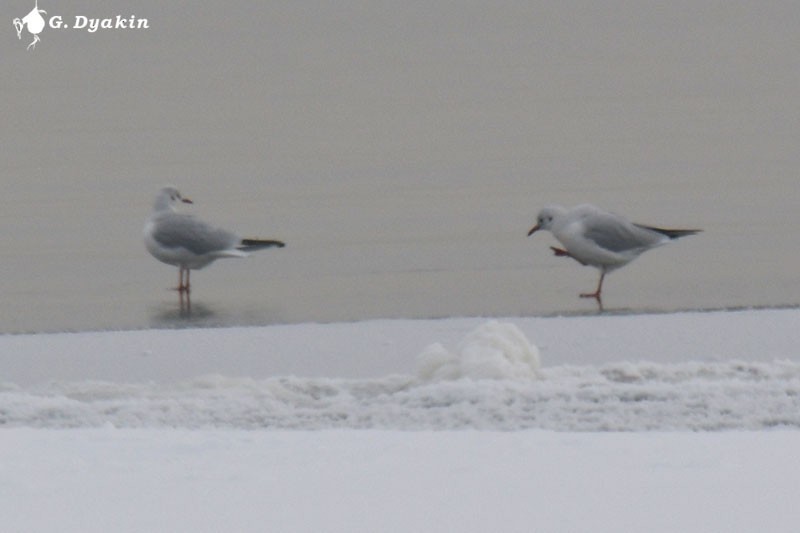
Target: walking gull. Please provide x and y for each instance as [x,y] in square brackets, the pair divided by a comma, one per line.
[189,243]
[600,239]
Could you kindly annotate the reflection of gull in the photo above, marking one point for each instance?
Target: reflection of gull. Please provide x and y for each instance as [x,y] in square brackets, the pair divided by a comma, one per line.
[603,240]
[189,243]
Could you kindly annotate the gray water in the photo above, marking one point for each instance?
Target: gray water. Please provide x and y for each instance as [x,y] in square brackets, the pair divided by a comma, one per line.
[402,150]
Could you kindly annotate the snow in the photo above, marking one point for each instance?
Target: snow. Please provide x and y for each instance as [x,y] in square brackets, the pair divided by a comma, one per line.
[660,422]
[100,480]
[492,351]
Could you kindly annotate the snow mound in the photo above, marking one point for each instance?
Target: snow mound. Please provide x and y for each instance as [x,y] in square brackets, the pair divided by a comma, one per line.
[494,350]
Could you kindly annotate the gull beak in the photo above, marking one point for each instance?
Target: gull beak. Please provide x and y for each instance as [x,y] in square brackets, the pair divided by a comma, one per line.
[186,201]
[533,230]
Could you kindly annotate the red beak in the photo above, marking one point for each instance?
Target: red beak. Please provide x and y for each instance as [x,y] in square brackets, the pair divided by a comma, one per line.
[533,230]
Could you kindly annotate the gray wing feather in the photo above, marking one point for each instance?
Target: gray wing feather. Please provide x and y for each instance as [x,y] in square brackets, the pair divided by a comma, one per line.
[618,234]
[177,230]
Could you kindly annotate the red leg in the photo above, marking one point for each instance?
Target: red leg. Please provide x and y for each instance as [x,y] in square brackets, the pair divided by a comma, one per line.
[183,291]
[596,294]
[183,286]
[559,252]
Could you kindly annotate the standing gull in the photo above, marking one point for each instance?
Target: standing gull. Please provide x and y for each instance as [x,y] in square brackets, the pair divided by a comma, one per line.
[600,239]
[189,243]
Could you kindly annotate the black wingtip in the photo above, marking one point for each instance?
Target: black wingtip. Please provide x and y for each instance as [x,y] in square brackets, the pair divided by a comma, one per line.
[677,233]
[672,233]
[257,244]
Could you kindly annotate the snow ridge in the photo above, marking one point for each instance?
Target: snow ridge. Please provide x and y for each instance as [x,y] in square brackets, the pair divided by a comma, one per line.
[492,380]
[612,397]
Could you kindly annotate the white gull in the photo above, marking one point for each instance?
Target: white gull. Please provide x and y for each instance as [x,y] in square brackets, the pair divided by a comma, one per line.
[597,238]
[187,242]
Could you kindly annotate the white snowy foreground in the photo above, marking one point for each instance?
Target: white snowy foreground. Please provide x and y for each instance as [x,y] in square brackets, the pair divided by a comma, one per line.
[121,480]
[662,422]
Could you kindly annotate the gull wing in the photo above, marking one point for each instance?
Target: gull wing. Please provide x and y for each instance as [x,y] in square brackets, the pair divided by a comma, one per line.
[614,233]
[176,230]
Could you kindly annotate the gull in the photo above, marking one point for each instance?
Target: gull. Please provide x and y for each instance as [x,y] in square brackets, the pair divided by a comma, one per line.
[189,243]
[601,239]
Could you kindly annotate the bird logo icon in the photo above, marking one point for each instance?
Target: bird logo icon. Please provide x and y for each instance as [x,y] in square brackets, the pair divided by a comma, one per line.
[34,22]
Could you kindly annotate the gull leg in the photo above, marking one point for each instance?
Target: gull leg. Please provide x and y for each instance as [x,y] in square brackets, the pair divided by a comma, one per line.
[180,288]
[560,252]
[183,289]
[183,286]
[596,294]
[186,303]
[188,290]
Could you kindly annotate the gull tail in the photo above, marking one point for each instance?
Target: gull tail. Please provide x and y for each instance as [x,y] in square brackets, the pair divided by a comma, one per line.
[251,245]
[672,233]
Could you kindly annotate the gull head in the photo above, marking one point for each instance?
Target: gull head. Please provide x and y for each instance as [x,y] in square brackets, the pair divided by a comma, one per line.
[546,217]
[168,197]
